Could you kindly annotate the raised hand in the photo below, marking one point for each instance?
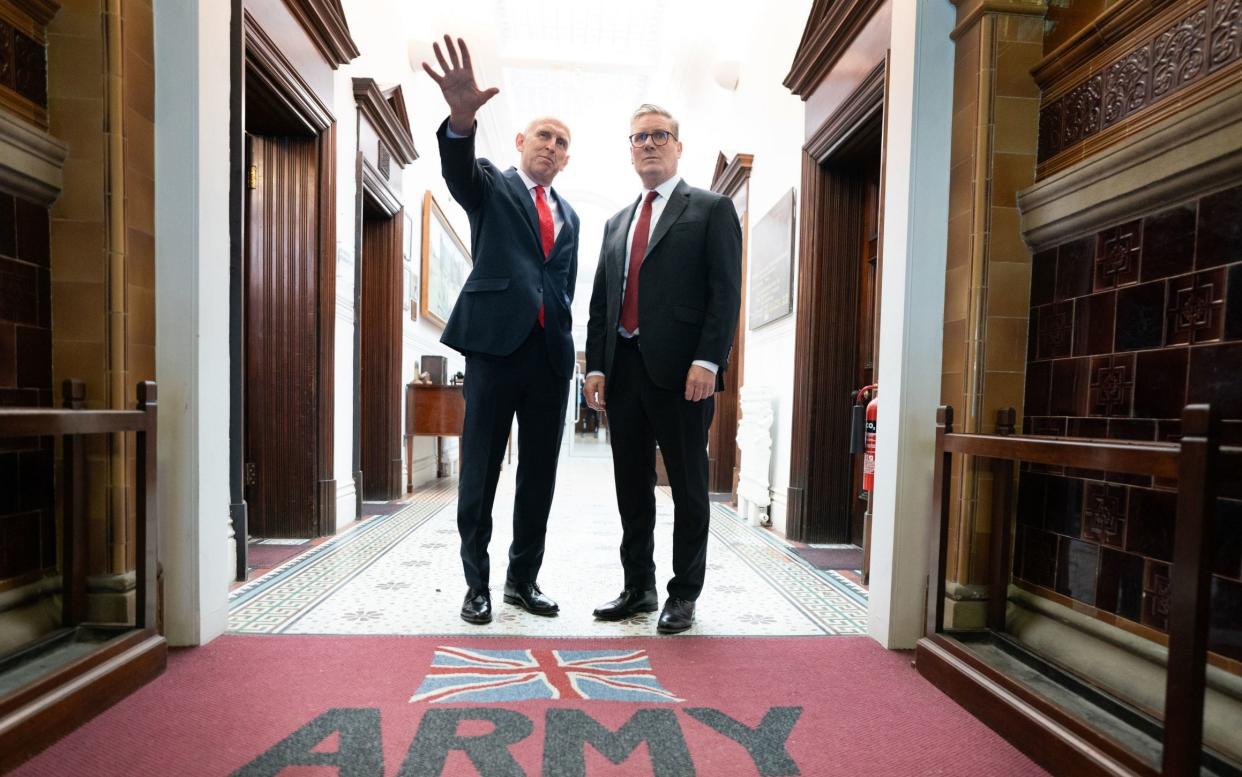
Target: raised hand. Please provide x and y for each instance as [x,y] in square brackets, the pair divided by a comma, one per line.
[462,94]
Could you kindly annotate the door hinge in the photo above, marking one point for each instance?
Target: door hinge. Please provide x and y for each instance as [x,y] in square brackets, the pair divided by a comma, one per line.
[252,177]
[250,473]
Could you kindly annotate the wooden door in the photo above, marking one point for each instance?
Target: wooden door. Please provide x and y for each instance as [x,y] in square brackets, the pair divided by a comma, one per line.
[281,338]
[868,316]
[380,362]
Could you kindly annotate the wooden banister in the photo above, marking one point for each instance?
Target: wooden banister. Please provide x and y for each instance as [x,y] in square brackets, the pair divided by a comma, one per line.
[1198,463]
[71,686]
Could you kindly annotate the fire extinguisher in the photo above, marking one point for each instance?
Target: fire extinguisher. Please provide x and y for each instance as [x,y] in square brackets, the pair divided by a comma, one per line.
[863,437]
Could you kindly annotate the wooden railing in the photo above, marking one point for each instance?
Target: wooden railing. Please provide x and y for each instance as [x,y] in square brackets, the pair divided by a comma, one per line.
[1198,463]
[123,656]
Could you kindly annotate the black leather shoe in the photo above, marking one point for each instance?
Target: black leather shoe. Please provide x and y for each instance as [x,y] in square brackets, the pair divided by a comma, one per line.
[678,615]
[477,608]
[530,598]
[631,602]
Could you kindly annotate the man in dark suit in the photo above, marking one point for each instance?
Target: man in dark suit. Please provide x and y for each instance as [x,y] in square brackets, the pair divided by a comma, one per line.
[663,312]
[512,322]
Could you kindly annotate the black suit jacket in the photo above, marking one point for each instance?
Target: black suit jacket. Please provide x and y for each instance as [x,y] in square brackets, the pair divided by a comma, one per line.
[510,280]
[689,287]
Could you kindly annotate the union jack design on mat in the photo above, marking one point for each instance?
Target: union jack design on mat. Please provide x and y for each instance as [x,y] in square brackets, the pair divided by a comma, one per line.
[469,675]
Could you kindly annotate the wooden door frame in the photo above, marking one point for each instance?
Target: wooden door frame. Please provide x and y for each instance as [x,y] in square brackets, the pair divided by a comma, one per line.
[373,186]
[732,177]
[264,62]
[830,233]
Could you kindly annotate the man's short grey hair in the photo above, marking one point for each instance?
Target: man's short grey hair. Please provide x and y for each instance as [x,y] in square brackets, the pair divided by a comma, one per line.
[647,108]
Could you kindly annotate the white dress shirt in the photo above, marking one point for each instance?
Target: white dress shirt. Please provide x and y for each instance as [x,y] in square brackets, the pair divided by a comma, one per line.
[663,192]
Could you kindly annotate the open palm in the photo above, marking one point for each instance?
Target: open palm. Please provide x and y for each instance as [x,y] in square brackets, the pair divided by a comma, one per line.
[462,94]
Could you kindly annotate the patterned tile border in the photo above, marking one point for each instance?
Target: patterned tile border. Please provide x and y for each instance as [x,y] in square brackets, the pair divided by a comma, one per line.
[274,600]
[354,584]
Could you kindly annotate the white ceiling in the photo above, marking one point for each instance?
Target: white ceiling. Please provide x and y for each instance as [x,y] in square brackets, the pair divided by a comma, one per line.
[590,63]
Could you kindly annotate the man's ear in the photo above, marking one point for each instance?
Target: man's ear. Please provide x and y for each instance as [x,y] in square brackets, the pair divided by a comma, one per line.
[519,141]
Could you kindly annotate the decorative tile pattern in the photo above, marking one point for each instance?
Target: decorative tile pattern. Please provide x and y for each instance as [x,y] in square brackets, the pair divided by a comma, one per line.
[387,578]
[1160,327]
[1205,39]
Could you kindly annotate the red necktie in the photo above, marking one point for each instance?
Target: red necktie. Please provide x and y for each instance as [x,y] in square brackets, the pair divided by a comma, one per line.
[642,230]
[547,230]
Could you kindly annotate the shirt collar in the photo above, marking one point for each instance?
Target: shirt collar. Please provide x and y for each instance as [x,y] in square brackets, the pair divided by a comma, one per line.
[531,182]
[665,190]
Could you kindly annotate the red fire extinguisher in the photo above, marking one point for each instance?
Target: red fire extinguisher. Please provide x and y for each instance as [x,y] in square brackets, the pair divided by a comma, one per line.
[868,479]
[869,456]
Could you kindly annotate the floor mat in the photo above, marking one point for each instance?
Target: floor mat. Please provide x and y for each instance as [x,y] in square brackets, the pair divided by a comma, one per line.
[264,556]
[675,707]
[831,558]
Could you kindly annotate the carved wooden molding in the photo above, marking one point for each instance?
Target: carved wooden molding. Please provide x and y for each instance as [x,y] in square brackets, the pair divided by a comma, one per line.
[393,129]
[831,27]
[31,161]
[266,63]
[374,184]
[1190,154]
[324,21]
[1112,26]
[865,101]
[30,16]
[731,174]
[1185,50]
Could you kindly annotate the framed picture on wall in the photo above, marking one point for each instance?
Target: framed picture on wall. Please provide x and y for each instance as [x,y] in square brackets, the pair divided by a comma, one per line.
[445,265]
[771,264]
[413,239]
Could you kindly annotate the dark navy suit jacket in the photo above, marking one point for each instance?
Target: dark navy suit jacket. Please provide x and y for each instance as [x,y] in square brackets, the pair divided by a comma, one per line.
[500,300]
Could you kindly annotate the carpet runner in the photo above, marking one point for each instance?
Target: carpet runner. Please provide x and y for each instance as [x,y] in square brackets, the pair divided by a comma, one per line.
[301,706]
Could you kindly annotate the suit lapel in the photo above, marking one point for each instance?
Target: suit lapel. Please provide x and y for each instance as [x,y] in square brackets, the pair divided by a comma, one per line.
[672,212]
[518,186]
[567,221]
[617,247]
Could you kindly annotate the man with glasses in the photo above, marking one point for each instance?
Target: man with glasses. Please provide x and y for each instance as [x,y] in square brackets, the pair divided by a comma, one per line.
[512,322]
[663,313]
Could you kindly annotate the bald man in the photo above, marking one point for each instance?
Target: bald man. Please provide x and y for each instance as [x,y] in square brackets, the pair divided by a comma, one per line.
[512,322]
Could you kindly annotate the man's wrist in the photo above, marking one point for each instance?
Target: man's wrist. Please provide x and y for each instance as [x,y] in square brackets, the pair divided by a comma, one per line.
[462,126]
[710,366]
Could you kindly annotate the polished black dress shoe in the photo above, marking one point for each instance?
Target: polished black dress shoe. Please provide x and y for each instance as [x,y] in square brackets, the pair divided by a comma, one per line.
[530,598]
[678,615]
[477,608]
[631,602]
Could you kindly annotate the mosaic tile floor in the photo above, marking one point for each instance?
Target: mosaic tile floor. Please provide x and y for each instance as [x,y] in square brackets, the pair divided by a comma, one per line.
[401,574]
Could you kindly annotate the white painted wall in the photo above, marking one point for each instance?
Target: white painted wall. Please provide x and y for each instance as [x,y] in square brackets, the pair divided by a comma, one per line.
[346,112]
[192,314]
[760,116]
[916,188]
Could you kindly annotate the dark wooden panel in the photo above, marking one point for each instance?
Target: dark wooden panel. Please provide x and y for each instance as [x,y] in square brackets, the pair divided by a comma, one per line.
[434,410]
[381,357]
[37,716]
[832,226]
[1047,735]
[282,346]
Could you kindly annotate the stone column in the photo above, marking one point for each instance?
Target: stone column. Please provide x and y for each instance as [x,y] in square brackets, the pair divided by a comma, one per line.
[987,276]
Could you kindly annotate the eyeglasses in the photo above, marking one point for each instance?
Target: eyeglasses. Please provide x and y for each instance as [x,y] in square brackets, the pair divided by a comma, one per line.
[659,137]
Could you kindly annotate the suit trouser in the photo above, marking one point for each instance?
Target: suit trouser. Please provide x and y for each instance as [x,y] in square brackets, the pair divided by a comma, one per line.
[496,388]
[640,414]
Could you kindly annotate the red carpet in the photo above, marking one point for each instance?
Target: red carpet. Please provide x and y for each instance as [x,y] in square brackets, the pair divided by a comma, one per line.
[809,706]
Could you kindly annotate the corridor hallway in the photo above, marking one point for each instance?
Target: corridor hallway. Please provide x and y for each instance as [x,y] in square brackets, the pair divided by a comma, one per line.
[350,659]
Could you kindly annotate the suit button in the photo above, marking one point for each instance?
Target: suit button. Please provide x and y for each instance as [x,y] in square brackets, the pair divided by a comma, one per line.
[540,290]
